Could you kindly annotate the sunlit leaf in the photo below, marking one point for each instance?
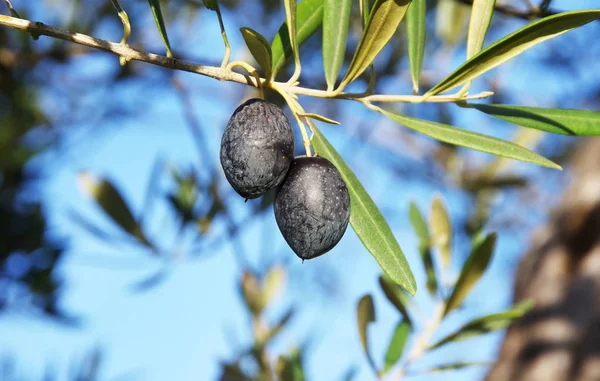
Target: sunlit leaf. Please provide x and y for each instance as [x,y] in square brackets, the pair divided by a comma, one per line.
[252,293]
[415,36]
[273,284]
[260,49]
[396,345]
[336,18]
[481,16]
[441,230]
[513,45]
[450,17]
[472,270]
[309,16]
[420,226]
[396,295]
[366,219]
[486,324]
[453,135]
[113,204]
[384,19]
[160,24]
[290,20]
[556,120]
[366,315]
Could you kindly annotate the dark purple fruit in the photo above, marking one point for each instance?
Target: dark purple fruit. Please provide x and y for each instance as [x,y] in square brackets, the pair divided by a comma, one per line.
[257,148]
[312,207]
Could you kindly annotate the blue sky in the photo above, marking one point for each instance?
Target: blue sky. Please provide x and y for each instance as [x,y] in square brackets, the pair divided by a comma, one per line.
[184,326]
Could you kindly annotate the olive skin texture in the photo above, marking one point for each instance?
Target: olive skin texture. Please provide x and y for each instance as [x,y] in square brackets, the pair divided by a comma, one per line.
[312,207]
[257,148]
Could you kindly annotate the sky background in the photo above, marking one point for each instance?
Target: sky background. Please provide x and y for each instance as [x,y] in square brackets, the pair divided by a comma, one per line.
[185,325]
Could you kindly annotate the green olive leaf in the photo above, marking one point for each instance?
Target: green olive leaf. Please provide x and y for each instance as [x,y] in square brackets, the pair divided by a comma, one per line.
[556,120]
[513,45]
[486,324]
[472,270]
[336,18]
[396,345]
[420,226]
[259,48]
[473,140]
[415,36]
[441,229]
[366,315]
[366,219]
[160,24]
[481,16]
[309,16]
[384,19]
[396,295]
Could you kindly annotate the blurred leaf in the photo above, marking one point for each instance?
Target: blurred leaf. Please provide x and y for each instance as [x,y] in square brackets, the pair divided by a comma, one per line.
[555,120]
[160,24]
[383,21]
[458,365]
[420,226]
[441,229]
[487,324]
[113,204]
[415,37]
[366,220]
[320,118]
[396,345]
[456,136]
[336,18]
[232,372]
[151,281]
[252,293]
[366,315]
[513,45]
[91,228]
[309,16]
[279,326]
[349,374]
[273,284]
[289,368]
[260,49]
[473,269]
[450,17]
[396,295]
[213,5]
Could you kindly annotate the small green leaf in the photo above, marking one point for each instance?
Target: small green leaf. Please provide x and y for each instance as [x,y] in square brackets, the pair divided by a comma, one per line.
[113,204]
[513,45]
[396,295]
[420,226]
[473,140]
[415,36]
[441,229]
[486,324]
[366,219]
[481,16]
[556,120]
[160,24]
[383,21]
[365,10]
[459,365]
[309,16]
[336,18]
[213,5]
[396,345]
[260,49]
[290,19]
[472,270]
[366,315]
[318,117]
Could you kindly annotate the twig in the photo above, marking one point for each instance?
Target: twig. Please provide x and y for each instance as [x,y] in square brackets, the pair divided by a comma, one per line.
[532,13]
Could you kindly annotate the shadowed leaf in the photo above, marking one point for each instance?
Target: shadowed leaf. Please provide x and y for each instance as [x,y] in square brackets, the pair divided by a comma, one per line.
[260,49]
[396,295]
[366,315]
[160,24]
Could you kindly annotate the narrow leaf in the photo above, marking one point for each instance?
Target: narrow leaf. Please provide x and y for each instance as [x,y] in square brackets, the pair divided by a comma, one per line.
[473,140]
[458,365]
[472,270]
[309,16]
[415,36]
[396,295]
[396,345]
[486,324]
[113,204]
[160,24]
[290,17]
[383,21]
[367,221]
[441,229]
[365,10]
[260,49]
[513,45]
[481,16]
[556,120]
[418,222]
[336,18]
[420,226]
[366,315]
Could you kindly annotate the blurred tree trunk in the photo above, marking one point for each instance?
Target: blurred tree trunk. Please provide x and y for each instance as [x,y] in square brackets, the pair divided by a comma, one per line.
[560,339]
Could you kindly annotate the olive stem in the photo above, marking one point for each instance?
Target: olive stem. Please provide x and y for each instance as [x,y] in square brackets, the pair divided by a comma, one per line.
[296,110]
[251,70]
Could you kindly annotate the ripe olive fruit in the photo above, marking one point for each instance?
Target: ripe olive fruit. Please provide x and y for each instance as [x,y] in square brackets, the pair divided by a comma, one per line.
[312,207]
[257,148]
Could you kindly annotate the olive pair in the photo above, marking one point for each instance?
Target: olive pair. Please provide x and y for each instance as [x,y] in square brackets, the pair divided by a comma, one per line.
[312,203]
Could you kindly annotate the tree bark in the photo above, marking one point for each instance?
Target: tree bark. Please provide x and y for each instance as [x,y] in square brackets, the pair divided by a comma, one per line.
[559,340]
